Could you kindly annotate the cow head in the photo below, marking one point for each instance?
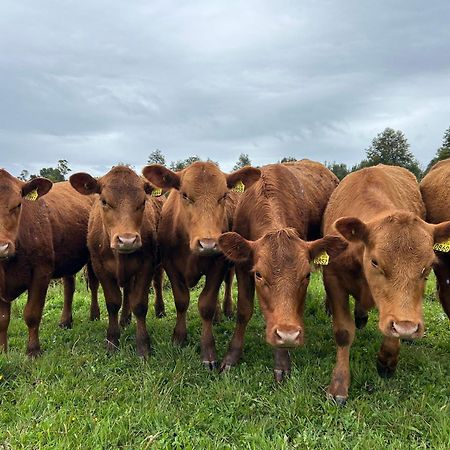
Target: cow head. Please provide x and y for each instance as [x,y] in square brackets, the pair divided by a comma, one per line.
[202,188]
[13,194]
[281,267]
[397,258]
[122,195]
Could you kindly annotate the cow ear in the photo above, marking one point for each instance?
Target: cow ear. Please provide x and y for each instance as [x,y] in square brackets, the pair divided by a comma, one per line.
[36,188]
[352,229]
[441,232]
[332,245]
[235,247]
[84,183]
[247,176]
[161,176]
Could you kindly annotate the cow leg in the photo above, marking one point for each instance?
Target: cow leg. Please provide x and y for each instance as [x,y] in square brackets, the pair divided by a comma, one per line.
[66,314]
[5,314]
[93,287]
[282,364]
[139,306]
[442,271]
[344,332]
[33,312]
[158,278]
[246,293]
[388,357]
[125,313]
[181,298]
[228,298]
[113,299]
[207,303]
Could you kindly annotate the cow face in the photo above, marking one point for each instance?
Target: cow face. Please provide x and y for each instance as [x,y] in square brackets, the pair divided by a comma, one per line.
[202,189]
[13,194]
[281,267]
[397,257]
[122,195]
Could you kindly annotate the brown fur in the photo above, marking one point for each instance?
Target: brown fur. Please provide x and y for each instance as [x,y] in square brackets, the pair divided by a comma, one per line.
[435,188]
[379,210]
[272,223]
[123,247]
[199,208]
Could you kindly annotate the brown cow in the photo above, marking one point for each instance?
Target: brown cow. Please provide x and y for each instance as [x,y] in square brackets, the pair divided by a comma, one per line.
[435,188]
[198,210]
[379,210]
[274,219]
[39,240]
[123,247]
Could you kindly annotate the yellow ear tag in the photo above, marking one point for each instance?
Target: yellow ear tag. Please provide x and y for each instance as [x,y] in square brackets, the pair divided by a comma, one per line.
[442,246]
[323,259]
[32,195]
[156,193]
[239,187]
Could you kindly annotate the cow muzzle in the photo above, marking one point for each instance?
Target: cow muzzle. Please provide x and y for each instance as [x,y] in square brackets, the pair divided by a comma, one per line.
[286,336]
[6,249]
[404,329]
[207,246]
[126,242]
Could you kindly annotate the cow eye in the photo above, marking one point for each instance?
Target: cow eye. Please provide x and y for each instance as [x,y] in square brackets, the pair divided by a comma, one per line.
[186,198]
[258,276]
[105,204]
[374,263]
[223,198]
[17,207]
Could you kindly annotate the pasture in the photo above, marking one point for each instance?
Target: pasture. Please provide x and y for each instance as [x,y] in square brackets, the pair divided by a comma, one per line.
[76,396]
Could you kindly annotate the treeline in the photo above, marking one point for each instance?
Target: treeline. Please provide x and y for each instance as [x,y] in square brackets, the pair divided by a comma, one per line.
[389,147]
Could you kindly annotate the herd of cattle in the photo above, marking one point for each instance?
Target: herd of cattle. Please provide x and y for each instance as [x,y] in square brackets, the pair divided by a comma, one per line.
[268,225]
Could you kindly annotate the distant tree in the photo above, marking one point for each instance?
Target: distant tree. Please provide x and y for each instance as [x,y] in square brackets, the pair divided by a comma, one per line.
[124,164]
[391,147]
[243,161]
[288,159]
[24,175]
[63,167]
[339,169]
[183,163]
[54,174]
[157,157]
[443,151]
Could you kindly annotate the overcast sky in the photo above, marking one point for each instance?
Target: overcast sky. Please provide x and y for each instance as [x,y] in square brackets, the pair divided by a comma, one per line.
[101,82]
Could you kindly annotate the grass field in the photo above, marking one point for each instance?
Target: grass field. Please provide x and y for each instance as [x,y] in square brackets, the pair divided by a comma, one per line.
[76,396]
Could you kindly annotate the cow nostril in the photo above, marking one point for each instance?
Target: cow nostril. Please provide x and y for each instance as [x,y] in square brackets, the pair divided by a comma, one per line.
[4,247]
[207,244]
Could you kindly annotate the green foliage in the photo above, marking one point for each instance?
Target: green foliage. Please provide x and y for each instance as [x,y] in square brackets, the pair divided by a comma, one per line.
[391,147]
[156,157]
[183,163]
[76,396]
[243,161]
[54,174]
[24,175]
[443,151]
[339,169]
[288,159]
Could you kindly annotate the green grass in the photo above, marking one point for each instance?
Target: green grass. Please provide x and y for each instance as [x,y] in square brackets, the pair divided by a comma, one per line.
[76,396]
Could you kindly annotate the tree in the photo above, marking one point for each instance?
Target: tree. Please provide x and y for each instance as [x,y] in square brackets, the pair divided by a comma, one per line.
[339,169]
[391,147]
[288,159]
[24,175]
[157,157]
[443,151]
[243,161]
[183,163]
[54,174]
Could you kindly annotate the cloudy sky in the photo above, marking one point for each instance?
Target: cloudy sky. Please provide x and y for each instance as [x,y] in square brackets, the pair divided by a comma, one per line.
[100,82]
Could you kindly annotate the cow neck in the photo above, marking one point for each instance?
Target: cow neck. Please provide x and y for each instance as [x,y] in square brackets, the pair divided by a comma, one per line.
[121,268]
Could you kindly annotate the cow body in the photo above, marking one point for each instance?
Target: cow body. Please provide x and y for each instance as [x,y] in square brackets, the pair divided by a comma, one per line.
[199,208]
[379,210]
[269,244]
[123,248]
[435,188]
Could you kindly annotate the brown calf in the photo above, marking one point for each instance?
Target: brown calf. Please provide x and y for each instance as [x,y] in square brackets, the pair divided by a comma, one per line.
[379,210]
[122,244]
[270,247]
[199,209]
[435,188]
[39,240]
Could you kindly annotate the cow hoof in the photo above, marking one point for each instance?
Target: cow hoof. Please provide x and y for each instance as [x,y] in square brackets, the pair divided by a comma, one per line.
[340,400]
[280,375]
[125,321]
[94,316]
[210,365]
[180,340]
[385,371]
[66,324]
[160,314]
[34,352]
[361,321]
[224,368]
[112,347]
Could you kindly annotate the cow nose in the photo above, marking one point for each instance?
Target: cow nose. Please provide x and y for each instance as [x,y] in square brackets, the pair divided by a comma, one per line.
[207,244]
[4,249]
[128,242]
[287,337]
[405,328]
